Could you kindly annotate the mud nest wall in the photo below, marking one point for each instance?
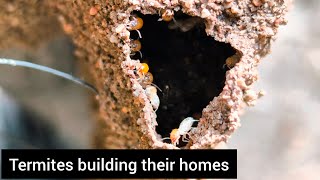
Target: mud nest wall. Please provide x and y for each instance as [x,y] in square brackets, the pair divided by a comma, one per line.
[204,61]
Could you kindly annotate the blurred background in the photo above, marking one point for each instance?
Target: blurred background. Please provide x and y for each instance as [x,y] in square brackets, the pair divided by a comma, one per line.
[55,110]
[278,139]
[280,136]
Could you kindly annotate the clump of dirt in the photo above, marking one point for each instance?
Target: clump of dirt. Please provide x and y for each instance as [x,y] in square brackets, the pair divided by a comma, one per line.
[187,66]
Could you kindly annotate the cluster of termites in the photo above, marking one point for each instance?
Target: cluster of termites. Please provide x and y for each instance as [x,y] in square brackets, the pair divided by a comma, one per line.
[184,129]
[145,77]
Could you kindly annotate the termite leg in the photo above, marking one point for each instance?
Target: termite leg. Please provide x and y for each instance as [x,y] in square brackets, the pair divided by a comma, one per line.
[165,138]
[177,23]
[132,54]
[139,34]
[156,87]
[184,138]
[140,54]
[225,65]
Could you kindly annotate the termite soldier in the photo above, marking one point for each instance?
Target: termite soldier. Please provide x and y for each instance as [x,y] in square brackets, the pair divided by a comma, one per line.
[166,15]
[135,23]
[145,77]
[183,130]
[135,46]
[232,61]
[151,93]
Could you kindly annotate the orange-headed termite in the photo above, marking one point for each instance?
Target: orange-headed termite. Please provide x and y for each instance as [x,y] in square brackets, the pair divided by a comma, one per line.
[145,77]
[166,15]
[135,46]
[232,61]
[135,24]
[183,130]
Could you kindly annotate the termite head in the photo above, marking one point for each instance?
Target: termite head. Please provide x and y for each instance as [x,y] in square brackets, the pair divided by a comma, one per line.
[135,45]
[166,15]
[146,79]
[232,61]
[175,136]
[143,69]
[135,23]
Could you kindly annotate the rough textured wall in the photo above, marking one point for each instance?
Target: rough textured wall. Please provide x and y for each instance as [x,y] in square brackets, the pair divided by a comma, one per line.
[26,23]
[125,116]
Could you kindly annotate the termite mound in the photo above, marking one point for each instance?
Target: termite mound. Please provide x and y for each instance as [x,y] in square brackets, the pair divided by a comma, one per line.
[187,65]
[125,116]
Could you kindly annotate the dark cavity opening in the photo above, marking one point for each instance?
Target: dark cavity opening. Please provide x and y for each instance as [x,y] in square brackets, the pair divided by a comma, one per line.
[187,66]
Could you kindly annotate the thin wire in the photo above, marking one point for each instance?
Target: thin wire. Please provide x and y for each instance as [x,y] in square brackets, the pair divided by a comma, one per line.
[13,62]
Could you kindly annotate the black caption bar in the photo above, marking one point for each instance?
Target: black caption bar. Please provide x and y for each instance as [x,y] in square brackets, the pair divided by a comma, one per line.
[119,164]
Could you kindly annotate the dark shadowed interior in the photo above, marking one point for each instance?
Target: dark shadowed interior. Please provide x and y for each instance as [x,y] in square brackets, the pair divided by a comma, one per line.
[187,66]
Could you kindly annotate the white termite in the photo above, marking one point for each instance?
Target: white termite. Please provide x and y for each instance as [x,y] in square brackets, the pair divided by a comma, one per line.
[183,130]
[151,93]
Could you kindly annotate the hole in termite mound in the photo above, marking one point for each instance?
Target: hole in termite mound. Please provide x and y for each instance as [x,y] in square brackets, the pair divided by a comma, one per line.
[187,66]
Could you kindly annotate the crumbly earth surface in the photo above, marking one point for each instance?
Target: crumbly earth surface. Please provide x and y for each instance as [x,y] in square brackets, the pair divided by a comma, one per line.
[187,66]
